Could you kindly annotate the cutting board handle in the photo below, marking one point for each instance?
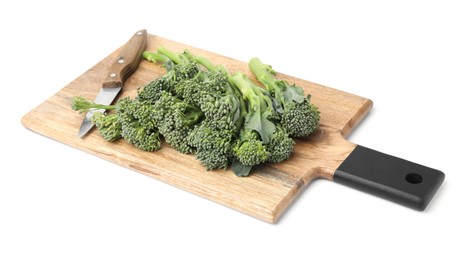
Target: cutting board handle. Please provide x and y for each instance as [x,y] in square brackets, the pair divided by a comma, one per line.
[389,177]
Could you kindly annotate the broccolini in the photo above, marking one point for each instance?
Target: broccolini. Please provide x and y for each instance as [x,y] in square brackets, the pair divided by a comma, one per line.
[131,121]
[298,116]
[209,90]
[198,107]
[262,138]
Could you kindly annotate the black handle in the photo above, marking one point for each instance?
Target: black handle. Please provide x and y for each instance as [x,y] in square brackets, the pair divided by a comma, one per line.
[389,177]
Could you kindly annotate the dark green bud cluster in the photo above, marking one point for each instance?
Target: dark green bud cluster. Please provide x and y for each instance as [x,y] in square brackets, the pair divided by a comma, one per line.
[250,150]
[280,146]
[109,126]
[175,120]
[167,83]
[300,119]
[152,91]
[213,144]
[137,127]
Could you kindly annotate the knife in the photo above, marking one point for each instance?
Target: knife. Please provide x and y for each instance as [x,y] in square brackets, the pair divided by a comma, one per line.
[126,63]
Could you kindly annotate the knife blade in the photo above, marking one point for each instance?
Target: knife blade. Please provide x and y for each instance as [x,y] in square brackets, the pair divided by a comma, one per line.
[126,63]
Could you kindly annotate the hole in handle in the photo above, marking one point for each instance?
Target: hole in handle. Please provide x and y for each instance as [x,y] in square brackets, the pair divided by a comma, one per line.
[413,178]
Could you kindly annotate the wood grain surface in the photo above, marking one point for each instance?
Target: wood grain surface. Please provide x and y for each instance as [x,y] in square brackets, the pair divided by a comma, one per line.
[265,194]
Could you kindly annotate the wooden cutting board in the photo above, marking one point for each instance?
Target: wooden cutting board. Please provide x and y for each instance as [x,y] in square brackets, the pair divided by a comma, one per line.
[265,194]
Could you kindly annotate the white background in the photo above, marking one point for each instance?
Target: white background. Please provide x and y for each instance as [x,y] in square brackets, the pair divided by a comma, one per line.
[409,57]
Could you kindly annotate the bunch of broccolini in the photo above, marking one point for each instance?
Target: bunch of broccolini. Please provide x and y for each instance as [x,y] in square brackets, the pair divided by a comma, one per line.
[198,107]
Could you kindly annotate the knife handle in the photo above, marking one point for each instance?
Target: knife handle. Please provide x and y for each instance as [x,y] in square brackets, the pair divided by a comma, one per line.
[127,62]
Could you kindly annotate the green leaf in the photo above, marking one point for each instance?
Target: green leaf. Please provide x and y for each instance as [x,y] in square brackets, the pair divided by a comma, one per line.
[240,169]
[259,122]
[293,93]
[253,118]
[267,127]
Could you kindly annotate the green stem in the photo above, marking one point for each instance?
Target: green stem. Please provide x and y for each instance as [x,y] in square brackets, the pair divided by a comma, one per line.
[154,57]
[265,101]
[206,63]
[171,55]
[241,82]
[264,73]
[100,106]
[81,104]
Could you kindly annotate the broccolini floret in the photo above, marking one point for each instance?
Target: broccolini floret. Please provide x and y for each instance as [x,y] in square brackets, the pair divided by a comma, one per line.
[176,73]
[131,121]
[108,124]
[211,91]
[280,145]
[138,126]
[298,116]
[175,120]
[213,144]
[250,149]
[261,133]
